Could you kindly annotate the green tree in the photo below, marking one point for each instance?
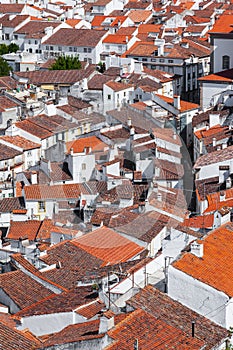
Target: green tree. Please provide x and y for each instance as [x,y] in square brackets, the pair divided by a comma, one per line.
[3,49]
[66,63]
[4,67]
[13,47]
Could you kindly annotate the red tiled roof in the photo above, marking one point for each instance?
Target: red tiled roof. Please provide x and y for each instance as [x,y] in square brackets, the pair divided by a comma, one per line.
[184,105]
[116,39]
[91,144]
[24,229]
[20,141]
[223,76]
[216,266]
[22,289]
[180,317]
[151,333]
[108,246]
[12,339]
[42,192]
[223,24]
[201,221]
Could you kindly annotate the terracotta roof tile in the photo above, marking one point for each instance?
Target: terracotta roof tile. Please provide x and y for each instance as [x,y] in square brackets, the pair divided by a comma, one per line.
[90,144]
[214,157]
[167,336]
[76,37]
[21,142]
[42,192]
[22,289]
[13,339]
[8,205]
[108,246]
[23,229]
[168,310]
[215,267]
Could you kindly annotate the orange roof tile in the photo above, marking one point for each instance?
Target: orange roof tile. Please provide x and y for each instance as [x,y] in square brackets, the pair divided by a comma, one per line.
[223,24]
[37,192]
[91,144]
[201,221]
[167,337]
[24,229]
[216,266]
[184,105]
[73,22]
[108,246]
[138,16]
[117,39]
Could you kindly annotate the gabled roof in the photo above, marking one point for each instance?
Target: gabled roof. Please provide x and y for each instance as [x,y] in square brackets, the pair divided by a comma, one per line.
[57,303]
[215,157]
[36,29]
[91,144]
[22,289]
[108,246]
[76,37]
[23,229]
[20,141]
[56,76]
[13,339]
[151,333]
[216,266]
[222,25]
[33,129]
[43,192]
[179,316]
[7,205]
[220,77]
[138,16]
[116,86]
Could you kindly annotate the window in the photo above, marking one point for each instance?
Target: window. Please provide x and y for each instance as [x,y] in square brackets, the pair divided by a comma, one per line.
[29,153]
[41,206]
[7,36]
[75,49]
[83,166]
[89,49]
[51,48]
[59,48]
[107,47]
[170,61]
[109,97]
[29,42]
[124,93]
[144,59]
[47,47]
[85,49]
[70,49]
[16,37]
[161,60]
[225,62]
[35,41]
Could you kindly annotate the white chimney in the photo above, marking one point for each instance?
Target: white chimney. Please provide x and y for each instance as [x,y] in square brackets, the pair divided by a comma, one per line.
[176,101]
[214,141]
[213,119]
[224,145]
[105,324]
[129,122]
[159,197]
[33,177]
[197,249]
[222,196]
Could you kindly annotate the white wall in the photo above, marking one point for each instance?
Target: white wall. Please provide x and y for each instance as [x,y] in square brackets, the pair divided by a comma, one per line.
[222,46]
[200,297]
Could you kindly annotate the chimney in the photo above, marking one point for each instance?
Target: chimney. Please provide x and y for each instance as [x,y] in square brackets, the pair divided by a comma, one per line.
[176,101]
[159,197]
[222,196]
[193,329]
[126,39]
[207,127]
[214,119]
[214,141]
[106,324]
[129,121]
[197,249]
[33,177]
[224,145]
[72,151]
[174,135]
[132,133]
